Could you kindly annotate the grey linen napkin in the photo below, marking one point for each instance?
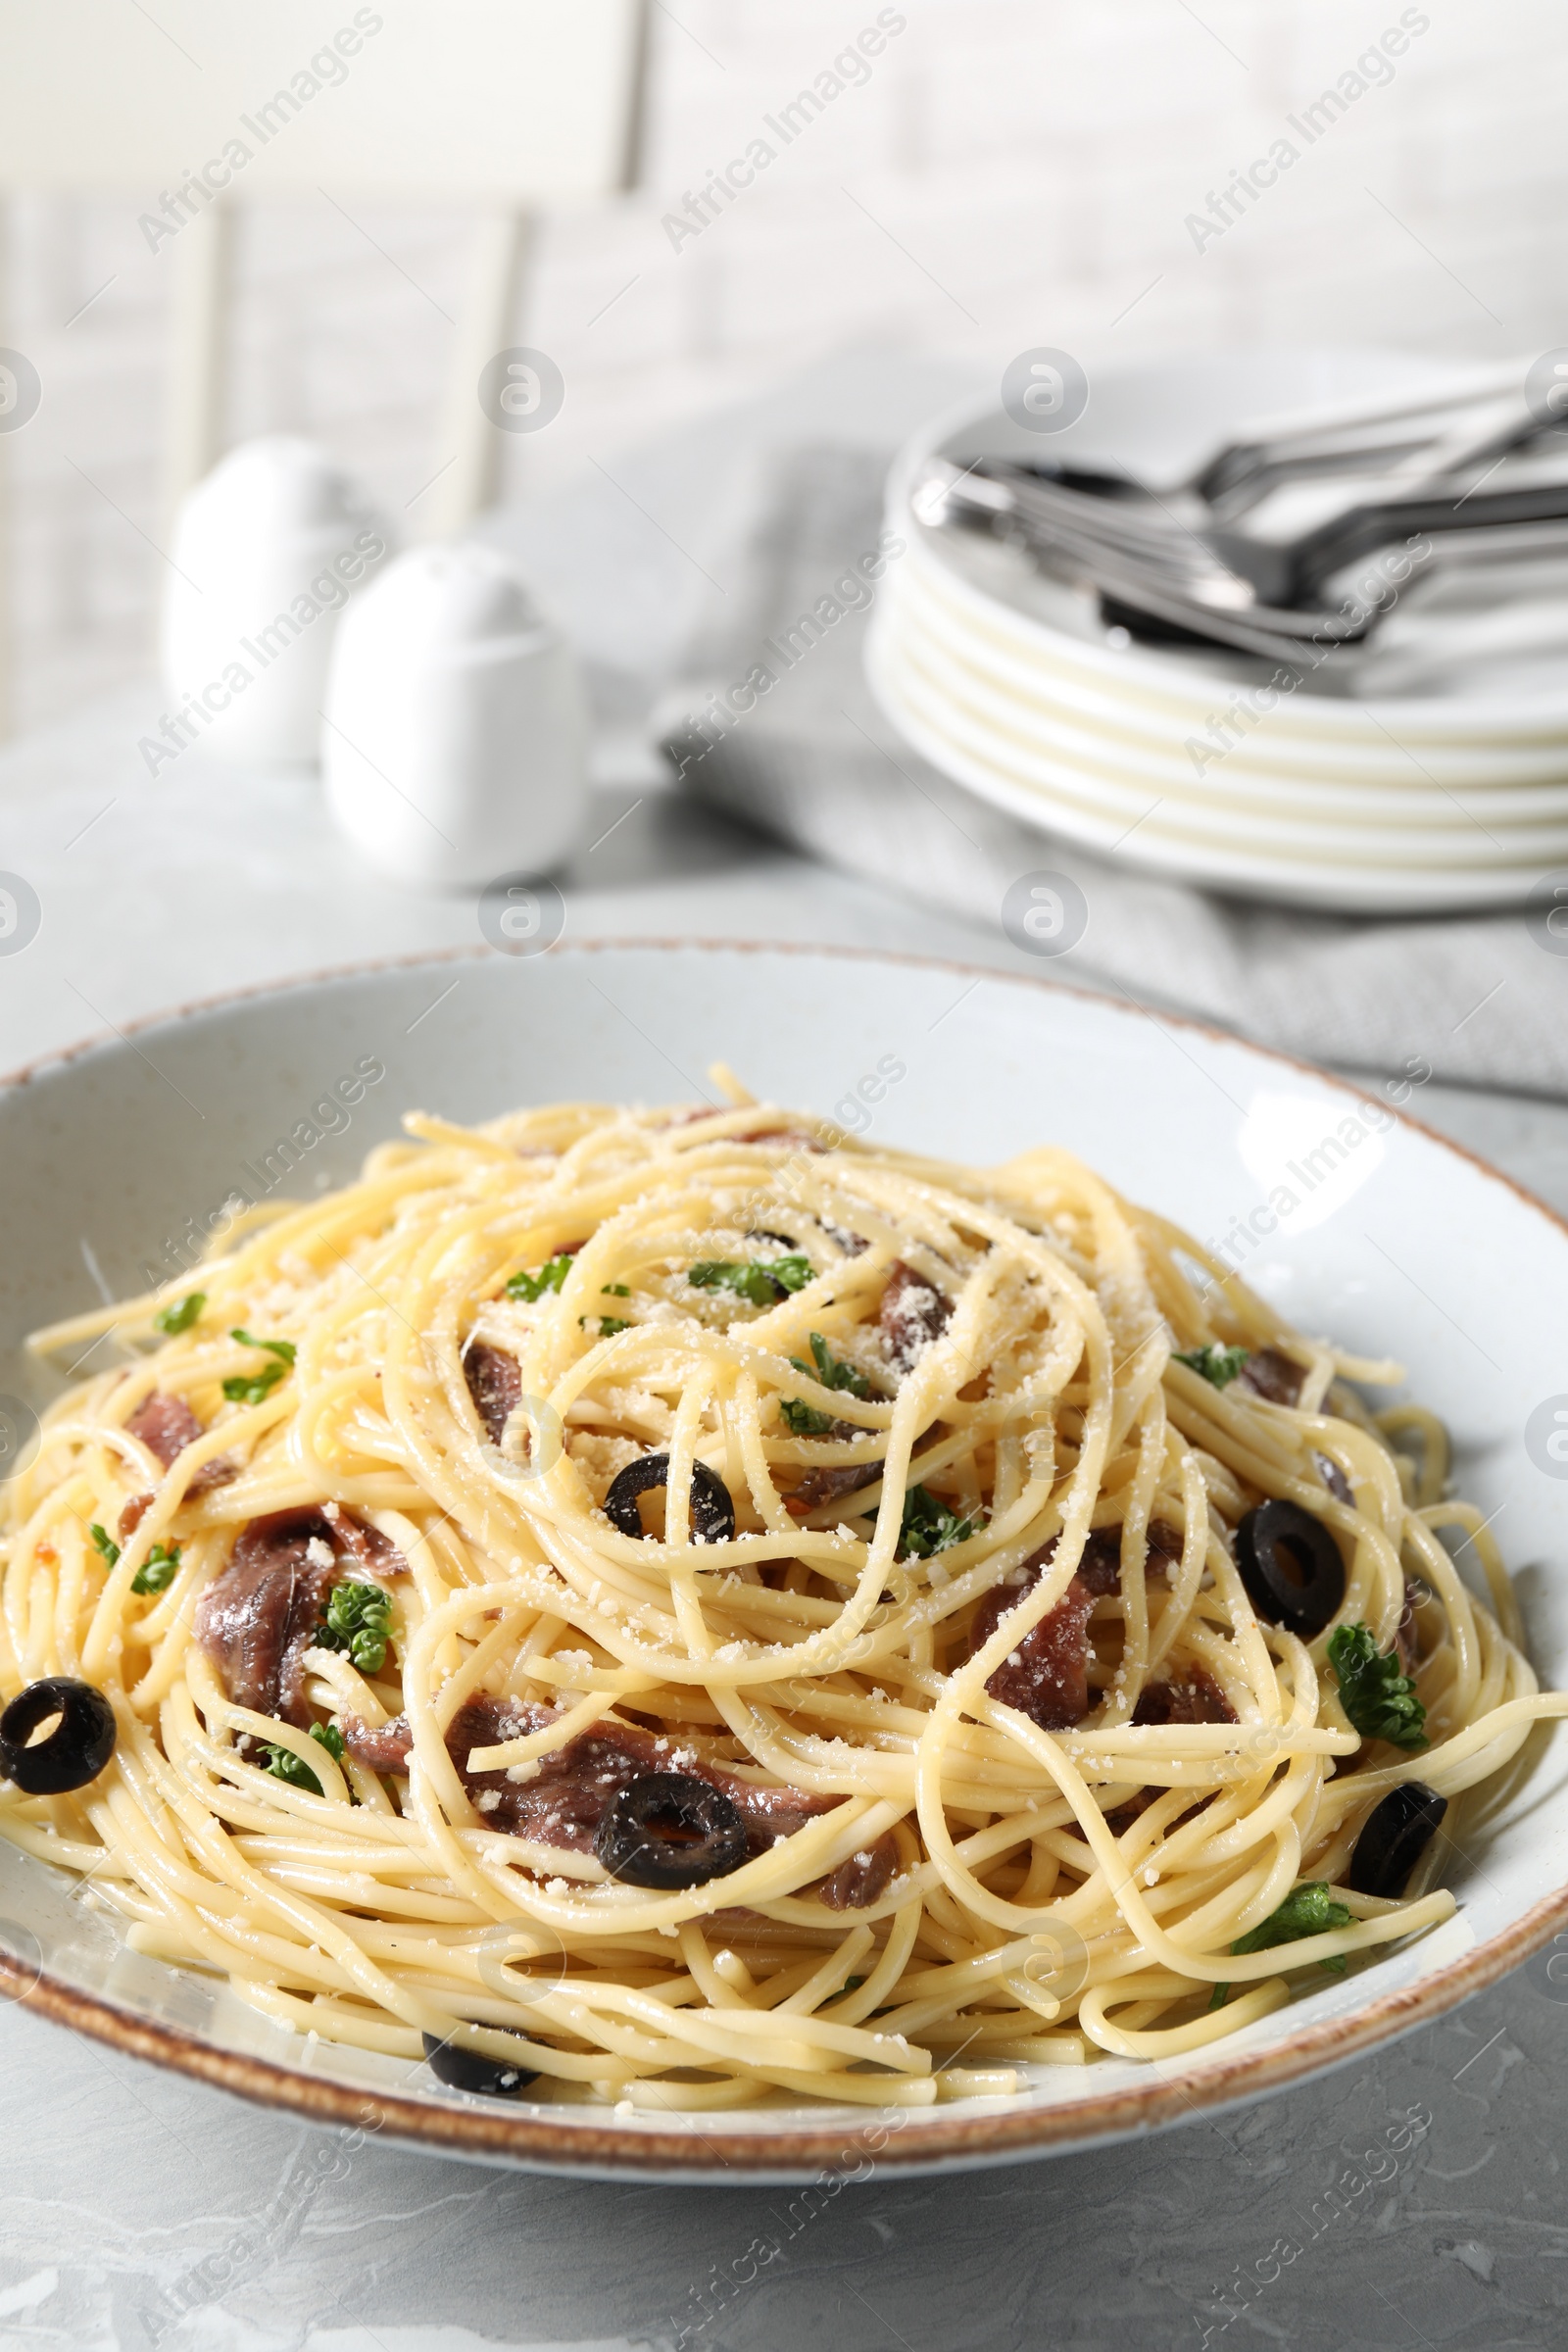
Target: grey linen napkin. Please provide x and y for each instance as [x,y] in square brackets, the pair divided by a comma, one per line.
[809,758]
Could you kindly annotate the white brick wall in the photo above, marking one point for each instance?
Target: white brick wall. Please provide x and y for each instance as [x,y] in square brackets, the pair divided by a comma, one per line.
[1035,160]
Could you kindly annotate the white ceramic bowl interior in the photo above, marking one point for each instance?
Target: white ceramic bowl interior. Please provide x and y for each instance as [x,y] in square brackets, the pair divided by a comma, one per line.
[1408,1249]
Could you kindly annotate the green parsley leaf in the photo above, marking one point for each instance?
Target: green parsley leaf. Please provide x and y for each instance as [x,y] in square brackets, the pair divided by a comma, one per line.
[1307,1910]
[609,1325]
[181,1316]
[1218,1999]
[1377,1696]
[157,1570]
[357,1618]
[850,1984]
[792,1271]
[929,1527]
[803,1420]
[254,1387]
[283,1349]
[244,1388]
[1217,1365]
[762,1283]
[549,1277]
[104,1543]
[615,1290]
[826,1369]
[285,1765]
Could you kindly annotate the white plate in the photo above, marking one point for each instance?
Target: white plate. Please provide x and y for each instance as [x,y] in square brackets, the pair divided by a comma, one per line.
[995,596]
[1248,811]
[1158,418]
[115,1147]
[920,607]
[1345,885]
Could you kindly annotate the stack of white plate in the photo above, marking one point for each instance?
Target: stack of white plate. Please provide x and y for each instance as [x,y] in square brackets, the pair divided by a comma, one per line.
[1428,770]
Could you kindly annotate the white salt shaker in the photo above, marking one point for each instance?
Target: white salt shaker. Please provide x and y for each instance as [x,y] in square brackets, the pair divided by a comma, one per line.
[267,550]
[456,742]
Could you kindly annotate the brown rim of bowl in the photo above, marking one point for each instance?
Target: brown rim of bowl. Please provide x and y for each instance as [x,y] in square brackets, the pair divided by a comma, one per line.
[929,2140]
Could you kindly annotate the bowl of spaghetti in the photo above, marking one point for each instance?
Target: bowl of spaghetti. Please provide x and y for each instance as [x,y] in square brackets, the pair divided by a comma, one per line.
[922,1604]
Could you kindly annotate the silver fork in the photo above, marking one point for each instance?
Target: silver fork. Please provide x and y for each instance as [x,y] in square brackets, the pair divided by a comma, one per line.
[1217,585]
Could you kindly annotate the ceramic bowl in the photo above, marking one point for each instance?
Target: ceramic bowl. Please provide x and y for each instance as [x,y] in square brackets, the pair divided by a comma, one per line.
[114,1156]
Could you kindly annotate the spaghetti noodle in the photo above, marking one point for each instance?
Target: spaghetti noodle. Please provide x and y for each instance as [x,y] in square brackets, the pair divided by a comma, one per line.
[682,1608]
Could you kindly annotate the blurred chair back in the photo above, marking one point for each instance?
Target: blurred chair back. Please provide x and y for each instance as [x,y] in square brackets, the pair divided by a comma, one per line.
[196,107]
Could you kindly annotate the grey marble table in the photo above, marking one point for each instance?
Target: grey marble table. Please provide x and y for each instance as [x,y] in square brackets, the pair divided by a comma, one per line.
[139,2209]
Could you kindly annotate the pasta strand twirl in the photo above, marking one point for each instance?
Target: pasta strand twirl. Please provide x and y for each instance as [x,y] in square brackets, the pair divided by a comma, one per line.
[699,1611]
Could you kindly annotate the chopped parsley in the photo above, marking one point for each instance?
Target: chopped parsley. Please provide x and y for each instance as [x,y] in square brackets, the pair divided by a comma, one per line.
[1217,1365]
[829,1372]
[182,1314]
[803,1420]
[283,1349]
[549,1277]
[254,1387]
[285,1765]
[792,1271]
[850,1984]
[615,1290]
[929,1527]
[1378,1698]
[1307,1910]
[357,1618]
[761,1283]
[609,1325]
[157,1570]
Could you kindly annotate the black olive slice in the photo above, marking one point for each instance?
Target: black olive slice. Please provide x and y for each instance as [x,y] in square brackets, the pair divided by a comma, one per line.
[713,1511]
[461,2069]
[75,1750]
[1291,1567]
[1395,1834]
[669,1829]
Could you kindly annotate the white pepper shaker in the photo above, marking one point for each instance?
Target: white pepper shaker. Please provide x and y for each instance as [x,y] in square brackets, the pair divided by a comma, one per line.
[456,739]
[268,549]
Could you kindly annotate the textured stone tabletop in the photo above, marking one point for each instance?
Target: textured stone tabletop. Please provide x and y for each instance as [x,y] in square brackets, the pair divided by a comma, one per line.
[1414,2199]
